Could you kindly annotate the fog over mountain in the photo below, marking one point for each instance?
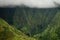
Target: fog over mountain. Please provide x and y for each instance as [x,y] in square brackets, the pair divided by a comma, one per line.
[30,3]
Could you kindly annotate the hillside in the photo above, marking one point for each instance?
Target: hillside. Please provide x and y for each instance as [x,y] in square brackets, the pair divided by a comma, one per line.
[33,19]
[8,32]
[52,32]
[30,24]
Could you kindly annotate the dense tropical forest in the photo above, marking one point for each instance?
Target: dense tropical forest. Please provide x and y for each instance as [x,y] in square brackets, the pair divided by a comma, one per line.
[24,23]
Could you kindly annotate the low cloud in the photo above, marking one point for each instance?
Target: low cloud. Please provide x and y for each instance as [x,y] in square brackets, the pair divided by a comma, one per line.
[30,3]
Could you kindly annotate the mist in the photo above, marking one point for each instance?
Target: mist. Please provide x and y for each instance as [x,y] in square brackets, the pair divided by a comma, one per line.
[30,3]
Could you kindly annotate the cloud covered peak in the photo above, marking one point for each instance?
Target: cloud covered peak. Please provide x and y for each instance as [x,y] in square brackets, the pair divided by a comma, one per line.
[30,3]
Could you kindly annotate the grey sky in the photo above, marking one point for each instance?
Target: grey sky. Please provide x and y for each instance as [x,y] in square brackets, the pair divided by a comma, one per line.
[30,3]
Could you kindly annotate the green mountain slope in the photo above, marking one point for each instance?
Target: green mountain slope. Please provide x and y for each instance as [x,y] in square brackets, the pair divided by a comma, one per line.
[33,20]
[8,32]
[32,24]
[52,32]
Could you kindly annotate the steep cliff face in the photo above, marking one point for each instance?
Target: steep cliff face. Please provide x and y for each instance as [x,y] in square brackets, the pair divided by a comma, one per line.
[33,19]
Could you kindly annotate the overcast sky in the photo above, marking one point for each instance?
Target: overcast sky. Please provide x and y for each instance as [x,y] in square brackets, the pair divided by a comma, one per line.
[30,3]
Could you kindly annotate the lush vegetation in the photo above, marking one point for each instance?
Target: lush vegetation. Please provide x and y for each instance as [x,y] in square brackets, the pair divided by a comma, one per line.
[8,32]
[32,24]
[52,32]
[33,19]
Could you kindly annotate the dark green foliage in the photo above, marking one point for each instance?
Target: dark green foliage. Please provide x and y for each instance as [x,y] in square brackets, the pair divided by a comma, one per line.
[32,24]
[33,19]
[52,32]
[7,14]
